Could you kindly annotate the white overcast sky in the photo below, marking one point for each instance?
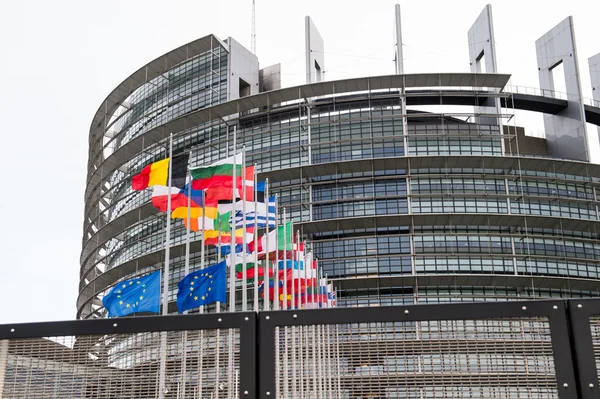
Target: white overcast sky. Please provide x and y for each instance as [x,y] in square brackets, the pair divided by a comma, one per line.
[59,59]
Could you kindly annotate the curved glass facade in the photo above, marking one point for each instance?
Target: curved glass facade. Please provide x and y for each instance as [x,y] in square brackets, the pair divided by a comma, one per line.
[398,206]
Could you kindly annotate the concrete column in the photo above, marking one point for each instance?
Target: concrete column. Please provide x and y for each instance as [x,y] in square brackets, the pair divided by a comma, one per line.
[594,63]
[566,133]
[482,58]
[399,59]
[315,52]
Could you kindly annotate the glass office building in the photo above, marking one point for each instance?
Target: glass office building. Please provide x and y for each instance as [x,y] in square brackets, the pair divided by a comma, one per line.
[409,188]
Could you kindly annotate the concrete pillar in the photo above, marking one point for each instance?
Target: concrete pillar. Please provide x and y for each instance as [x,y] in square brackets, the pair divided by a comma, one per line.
[315,53]
[566,133]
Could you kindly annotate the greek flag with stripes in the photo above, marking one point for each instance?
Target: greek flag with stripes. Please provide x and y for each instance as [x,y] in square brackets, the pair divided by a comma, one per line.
[258,217]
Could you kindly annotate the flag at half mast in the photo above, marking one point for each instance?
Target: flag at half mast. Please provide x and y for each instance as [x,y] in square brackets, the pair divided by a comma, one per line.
[141,294]
[217,179]
[277,240]
[156,175]
[202,287]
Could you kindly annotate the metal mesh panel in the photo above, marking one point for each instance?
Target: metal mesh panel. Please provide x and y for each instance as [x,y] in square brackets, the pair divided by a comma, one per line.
[122,365]
[501,358]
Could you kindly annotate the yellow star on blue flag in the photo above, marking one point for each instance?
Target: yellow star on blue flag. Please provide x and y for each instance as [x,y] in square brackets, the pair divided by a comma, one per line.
[200,281]
[131,297]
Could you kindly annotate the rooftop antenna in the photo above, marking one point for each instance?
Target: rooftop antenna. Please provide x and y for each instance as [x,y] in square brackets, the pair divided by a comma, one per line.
[253,45]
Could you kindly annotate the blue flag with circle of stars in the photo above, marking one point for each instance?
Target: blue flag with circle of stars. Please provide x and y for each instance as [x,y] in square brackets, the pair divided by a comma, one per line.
[133,296]
[203,287]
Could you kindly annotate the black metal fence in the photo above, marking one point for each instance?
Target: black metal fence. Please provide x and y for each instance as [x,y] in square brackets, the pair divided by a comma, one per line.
[532,350]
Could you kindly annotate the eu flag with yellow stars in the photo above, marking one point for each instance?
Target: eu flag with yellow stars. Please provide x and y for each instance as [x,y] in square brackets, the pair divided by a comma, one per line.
[203,287]
[134,296]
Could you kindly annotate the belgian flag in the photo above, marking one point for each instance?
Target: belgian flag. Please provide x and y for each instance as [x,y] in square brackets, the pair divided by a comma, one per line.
[157,174]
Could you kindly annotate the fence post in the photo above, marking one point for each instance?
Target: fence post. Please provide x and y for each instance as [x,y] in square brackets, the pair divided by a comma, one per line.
[584,361]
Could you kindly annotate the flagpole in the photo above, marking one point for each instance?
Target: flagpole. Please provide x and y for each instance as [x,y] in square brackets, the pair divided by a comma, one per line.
[309,261]
[232,243]
[165,309]
[165,299]
[299,306]
[202,265]
[218,304]
[185,273]
[318,283]
[203,249]
[321,357]
[267,267]
[256,309]
[299,303]
[230,365]
[188,230]
[276,301]
[244,271]
[284,259]
[217,310]
[294,375]
[286,386]
[326,289]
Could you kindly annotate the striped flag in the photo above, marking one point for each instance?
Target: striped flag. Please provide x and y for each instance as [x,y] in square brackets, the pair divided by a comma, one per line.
[257,216]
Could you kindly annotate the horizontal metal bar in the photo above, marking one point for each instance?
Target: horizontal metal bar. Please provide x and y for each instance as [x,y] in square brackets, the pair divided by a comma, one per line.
[466,311]
[125,325]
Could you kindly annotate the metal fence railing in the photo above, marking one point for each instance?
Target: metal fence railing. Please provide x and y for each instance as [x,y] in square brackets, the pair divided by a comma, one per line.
[508,350]
[584,318]
[483,350]
[195,356]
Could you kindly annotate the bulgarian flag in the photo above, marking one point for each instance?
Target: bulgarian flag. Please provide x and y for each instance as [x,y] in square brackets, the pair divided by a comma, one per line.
[217,179]
[277,240]
[238,261]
